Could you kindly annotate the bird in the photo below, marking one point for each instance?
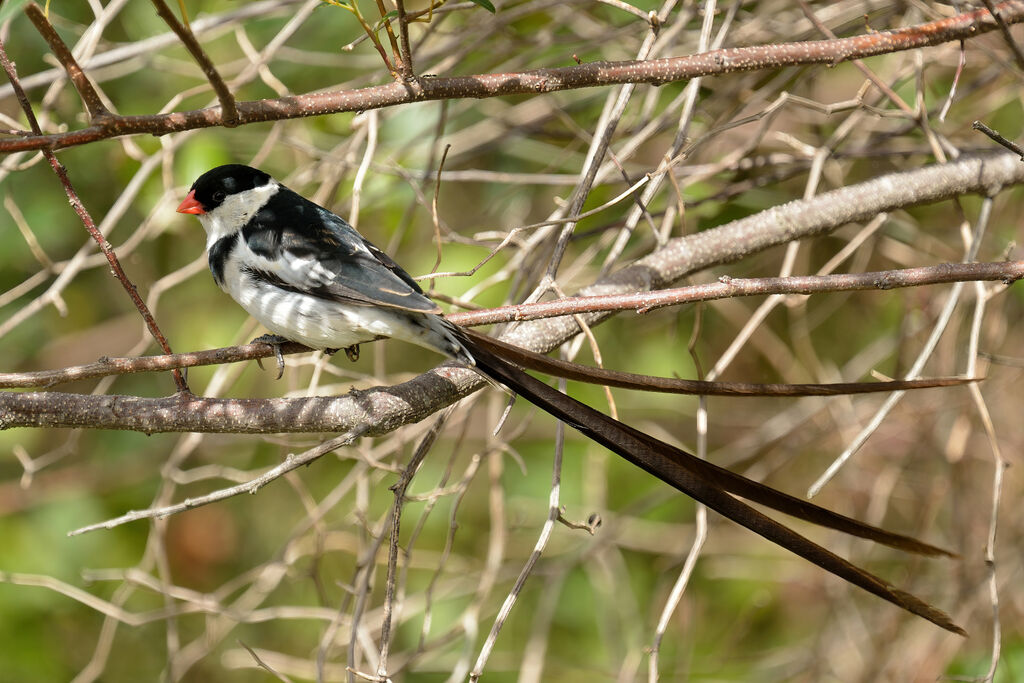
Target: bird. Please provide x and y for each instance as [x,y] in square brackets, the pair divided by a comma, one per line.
[309,277]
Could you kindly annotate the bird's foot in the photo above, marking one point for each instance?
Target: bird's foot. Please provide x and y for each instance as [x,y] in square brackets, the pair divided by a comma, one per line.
[275,341]
[351,352]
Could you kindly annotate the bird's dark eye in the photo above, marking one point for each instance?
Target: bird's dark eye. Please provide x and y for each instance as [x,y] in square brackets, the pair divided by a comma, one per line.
[218,196]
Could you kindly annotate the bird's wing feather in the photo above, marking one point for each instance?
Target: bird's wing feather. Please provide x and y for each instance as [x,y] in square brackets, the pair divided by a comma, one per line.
[310,249]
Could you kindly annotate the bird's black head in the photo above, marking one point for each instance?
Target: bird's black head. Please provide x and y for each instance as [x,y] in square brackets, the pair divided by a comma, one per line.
[211,189]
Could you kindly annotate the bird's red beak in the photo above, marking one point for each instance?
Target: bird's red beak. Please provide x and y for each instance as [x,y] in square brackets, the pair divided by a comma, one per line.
[191,204]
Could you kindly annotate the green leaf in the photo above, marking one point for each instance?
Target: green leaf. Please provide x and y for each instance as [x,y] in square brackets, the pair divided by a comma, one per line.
[390,16]
[485,4]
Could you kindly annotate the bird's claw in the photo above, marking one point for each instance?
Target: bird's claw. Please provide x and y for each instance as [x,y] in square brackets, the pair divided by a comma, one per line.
[351,352]
[275,341]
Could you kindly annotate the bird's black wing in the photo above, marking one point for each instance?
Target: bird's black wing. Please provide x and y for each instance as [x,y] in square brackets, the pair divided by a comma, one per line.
[311,250]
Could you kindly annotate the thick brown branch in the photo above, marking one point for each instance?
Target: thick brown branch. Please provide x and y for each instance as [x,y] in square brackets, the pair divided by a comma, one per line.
[373,412]
[540,81]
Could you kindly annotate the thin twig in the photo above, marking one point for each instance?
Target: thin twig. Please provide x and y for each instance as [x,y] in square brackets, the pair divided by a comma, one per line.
[83,214]
[400,488]
[86,90]
[1002,271]
[728,287]
[353,7]
[292,462]
[554,513]
[929,347]
[541,81]
[960,64]
[263,665]
[1007,36]
[403,71]
[614,108]
[649,17]
[433,212]
[105,367]
[998,471]
[868,73]
[700,523]
[229,111]
[1008,144]
[408,72]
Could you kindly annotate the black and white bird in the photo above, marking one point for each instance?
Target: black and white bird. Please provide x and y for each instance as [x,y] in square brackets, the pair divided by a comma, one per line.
[309,277]
[305,273]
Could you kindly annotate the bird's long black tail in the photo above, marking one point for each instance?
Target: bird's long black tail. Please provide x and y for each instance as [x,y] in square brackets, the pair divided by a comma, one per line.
[713,486]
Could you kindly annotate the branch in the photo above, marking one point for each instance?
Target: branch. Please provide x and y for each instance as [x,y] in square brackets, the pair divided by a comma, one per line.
[258,9]
[1008,144]
[83,214]
[90,98]
[729,287]
[384,409]
[1007,272]
[372,412]
[229,113]
[540,81]
[292,462]
[1007,36]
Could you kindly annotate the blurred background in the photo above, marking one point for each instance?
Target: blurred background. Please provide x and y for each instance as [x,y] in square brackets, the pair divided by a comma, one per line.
[294,576]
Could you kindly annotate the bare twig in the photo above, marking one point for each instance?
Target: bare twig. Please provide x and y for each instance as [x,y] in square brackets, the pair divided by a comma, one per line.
[700,526]
[434,214]
[922,357]
[292,462]
[728,287]
[868,73]
[87,221]
[228,111]
[1018,55]
[90,98]
[554,513]
[655,72]
[408,72]
[615,106]
[1008,144]
[403,70]
[998,472]
[370,33]
[400,489]
[105,367]
[263,665]
[1007,272]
